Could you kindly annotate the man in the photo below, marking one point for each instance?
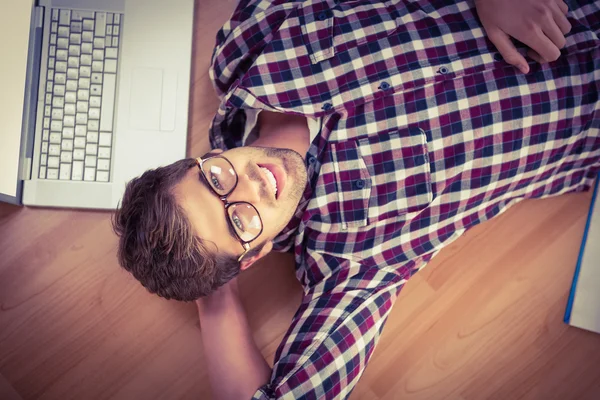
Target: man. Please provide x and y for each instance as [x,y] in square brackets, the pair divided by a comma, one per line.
[381,132]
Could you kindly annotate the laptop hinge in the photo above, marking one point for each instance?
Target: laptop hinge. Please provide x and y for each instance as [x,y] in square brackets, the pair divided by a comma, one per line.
[39,17]
[26,170]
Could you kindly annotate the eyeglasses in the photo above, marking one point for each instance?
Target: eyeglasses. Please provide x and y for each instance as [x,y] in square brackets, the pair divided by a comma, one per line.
[243,217]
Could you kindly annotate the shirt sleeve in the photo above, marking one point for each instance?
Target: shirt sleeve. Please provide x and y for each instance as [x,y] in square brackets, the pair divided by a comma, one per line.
[333,335]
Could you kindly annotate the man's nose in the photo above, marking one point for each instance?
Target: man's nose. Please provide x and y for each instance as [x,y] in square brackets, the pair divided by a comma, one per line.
[247,190]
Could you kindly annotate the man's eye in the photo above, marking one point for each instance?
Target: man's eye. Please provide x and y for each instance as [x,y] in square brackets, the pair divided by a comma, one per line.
[215,182]
[237,222]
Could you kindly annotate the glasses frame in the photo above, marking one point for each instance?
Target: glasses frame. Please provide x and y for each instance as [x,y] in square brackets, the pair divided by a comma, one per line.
[245,243]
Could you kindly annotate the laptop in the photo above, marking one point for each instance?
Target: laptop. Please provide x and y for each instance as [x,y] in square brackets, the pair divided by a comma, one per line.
[94,92]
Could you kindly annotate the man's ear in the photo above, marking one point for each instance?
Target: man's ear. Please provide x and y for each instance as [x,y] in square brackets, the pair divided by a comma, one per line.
[248,261]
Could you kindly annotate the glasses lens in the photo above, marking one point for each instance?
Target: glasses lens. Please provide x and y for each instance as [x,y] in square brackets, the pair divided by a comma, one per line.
[245,220]
[220,174]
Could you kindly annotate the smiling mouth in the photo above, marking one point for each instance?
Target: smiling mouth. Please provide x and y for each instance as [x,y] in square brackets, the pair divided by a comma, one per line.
[271,180]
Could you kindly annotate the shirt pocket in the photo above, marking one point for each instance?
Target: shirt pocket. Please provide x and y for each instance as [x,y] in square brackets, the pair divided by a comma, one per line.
[382,176]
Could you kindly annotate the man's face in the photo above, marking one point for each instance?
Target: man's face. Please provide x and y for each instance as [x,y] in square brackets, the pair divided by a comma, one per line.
[206,211]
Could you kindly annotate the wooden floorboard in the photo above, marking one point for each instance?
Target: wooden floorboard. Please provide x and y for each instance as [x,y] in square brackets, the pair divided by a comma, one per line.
[482,321]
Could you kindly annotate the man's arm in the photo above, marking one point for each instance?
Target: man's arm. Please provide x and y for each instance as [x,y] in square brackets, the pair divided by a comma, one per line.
[236,366]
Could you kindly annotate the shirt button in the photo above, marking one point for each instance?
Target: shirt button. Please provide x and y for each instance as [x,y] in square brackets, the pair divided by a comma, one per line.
[311,160]
[443,70]
[327,106]
[498,57]
[322,16]
[384,86]
[359,183]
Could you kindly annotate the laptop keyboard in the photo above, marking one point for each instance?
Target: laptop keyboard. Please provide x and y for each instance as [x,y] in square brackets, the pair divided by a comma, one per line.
[79,98]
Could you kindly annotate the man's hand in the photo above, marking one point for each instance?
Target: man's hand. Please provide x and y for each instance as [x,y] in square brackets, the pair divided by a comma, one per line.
[540,24]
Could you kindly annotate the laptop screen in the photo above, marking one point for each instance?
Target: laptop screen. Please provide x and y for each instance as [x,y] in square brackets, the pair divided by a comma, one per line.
[14,41]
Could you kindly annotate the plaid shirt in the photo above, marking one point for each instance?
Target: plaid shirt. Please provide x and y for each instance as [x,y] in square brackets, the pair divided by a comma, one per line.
[425,133]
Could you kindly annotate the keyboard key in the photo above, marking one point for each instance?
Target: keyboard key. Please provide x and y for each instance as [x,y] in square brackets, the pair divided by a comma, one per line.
[62,43]
[79,154]
[77,171]
[73,62]
[98,55]
[102,176]
[92,137]
[82,107]
[54,150]
[86,60]
[60,78]
[52,173]
[57,113]
[69,109]
[109,30]
[53,38]
[55,14]
[71,85]
[69,121]
[47,111]
[61,66]
[104,152]
[44,147]
[105,139]
[56,126]
[52,51]
[64,17]
[59,90]
[100,24]
[116,30]
[45,134]
[96,90]
[46,123]
[79,143]
[62,55]
[65,171]
[53,162]
[95,101]
[88,25]
[63,31]
[91,149]
[90,161]
[70,97]
[54,27]
[90,174]
[97,66]
[83,94]
[87,37]
[111,52]
[94,113]
[96,77]
[43,159]
[76,27]
[51,62]
[42,173]
[81,119]
[73,73]
[117,19]
[85,71]
[86,48]
[66,157]
[103,165]
[49,86]
[110,66]
[80,130]
[55,138]
[48,98]
[50,74]
[99,43]
[75,38]
[75,50]
[109,18]
[67,145]
[93,125]
[68,133]
[115,41]
[80,15]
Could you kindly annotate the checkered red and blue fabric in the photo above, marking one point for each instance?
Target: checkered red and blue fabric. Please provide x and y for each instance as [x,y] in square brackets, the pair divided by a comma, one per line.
[425,133]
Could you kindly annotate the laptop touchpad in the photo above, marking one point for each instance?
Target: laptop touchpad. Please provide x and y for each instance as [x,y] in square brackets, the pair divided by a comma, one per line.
[146,98]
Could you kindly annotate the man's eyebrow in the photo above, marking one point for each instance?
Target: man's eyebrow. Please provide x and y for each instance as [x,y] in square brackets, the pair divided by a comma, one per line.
[230,229]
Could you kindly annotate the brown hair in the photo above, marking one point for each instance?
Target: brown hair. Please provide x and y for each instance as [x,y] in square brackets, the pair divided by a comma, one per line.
[157,243]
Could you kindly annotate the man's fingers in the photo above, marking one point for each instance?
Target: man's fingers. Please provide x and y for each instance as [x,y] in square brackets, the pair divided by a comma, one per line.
[563,6]
[543,46]
[554,33]
[535,56]
[560,19]
[505,46]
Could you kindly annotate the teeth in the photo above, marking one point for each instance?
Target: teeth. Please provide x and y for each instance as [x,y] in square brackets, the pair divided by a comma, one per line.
[270,178]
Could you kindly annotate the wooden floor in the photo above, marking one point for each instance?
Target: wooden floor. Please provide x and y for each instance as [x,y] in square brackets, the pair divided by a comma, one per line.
[482,321]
